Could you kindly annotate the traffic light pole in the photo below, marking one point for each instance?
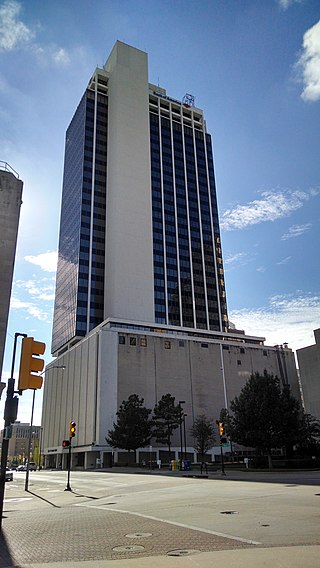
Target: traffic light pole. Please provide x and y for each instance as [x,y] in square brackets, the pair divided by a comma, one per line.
[221,431]
[10,416]
[29,444]
[222,459]
[68,488]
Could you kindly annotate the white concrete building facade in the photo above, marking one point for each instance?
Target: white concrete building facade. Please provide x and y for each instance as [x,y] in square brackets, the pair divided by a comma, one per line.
[120,358]
[10,203]
[309,367]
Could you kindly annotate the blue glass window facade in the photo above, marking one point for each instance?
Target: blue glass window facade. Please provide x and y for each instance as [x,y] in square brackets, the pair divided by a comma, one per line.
[188,272]
[79,300]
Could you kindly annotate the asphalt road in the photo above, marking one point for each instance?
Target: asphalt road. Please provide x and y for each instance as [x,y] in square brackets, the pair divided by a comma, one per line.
[241,510]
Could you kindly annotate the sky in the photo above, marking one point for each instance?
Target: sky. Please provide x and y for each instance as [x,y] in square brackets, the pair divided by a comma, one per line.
[253,66]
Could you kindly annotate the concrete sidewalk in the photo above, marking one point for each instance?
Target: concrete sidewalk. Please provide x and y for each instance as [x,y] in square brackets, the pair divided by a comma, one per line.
[284,557]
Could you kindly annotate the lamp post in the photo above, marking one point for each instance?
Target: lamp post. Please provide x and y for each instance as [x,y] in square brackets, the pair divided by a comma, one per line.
[184,436]
[31,424]
[180,425]
[40,446]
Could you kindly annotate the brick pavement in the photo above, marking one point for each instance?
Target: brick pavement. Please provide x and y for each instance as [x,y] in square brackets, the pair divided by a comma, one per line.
[83,534]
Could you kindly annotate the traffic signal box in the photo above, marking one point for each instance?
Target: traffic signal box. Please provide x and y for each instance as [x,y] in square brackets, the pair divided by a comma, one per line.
[31,363]
[221,429]
[72,429]
[66,443]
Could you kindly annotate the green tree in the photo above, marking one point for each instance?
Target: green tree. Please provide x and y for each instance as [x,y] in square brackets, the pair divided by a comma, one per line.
[265,415]
[167,417]
[309,435]
[133,428]
[203,434]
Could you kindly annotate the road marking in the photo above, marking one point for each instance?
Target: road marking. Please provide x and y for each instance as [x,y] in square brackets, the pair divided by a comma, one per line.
[17,499]
[184,526]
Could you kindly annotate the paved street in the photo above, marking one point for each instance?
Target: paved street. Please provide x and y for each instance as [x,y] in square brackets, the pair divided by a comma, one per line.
[126,518]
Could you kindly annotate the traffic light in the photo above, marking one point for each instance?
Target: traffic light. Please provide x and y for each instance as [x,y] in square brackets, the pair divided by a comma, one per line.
[72,429]
[221,429]
[66,443]
[30,363]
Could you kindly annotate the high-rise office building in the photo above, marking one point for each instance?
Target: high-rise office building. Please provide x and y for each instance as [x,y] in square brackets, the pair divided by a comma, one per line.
[139,234]
[140,299]
[10,204]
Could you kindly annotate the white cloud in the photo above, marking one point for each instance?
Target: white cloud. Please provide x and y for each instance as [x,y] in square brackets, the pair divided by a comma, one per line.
[261,269]
[13,32]
[273,205]
[284,260]
[31,309]
[287,318]
[61,57]
[235,257]
[285,4]
[47,261]
[309,62]
[42,290]
[296,231]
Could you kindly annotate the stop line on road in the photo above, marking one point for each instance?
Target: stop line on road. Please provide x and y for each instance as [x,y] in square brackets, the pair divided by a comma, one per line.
[17,499]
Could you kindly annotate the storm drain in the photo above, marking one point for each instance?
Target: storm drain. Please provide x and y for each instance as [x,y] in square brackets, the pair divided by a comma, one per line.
[183,552]
[133,548]
[138,535]
[229,512]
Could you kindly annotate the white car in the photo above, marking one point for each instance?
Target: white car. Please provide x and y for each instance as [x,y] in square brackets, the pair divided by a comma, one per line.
[9,474]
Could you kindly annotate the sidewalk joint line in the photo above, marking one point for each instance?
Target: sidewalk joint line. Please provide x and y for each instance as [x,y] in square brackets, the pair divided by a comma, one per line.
[223,535]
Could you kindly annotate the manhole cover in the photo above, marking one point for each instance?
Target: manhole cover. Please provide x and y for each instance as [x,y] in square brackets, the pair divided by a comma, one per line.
[138,535]
[229,512]
[182,552]
[132,548]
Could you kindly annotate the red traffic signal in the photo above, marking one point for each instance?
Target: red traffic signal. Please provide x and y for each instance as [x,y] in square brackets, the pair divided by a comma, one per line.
[66,443]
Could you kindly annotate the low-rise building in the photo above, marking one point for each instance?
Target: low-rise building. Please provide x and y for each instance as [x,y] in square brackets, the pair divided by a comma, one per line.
[309,367]
[19,442]
[205,369]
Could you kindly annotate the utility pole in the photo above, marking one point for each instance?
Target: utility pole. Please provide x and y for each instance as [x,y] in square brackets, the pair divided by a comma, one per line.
[10,416]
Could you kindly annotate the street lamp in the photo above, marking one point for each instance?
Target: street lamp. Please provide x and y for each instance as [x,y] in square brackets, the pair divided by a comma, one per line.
[184,435]
[31,424]
[180,425]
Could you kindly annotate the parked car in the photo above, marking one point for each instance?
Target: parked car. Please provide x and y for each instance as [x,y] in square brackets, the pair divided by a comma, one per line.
[9,474]
[21,468]
[32,466]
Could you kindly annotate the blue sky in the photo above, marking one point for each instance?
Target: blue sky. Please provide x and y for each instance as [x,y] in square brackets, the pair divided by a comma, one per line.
[253,66]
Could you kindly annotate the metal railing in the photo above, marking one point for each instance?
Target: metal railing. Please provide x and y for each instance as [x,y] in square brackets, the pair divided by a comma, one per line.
[7,168]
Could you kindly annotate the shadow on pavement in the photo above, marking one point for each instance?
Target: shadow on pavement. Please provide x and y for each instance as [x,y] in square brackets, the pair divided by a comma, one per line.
[5,557]
[43,499]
